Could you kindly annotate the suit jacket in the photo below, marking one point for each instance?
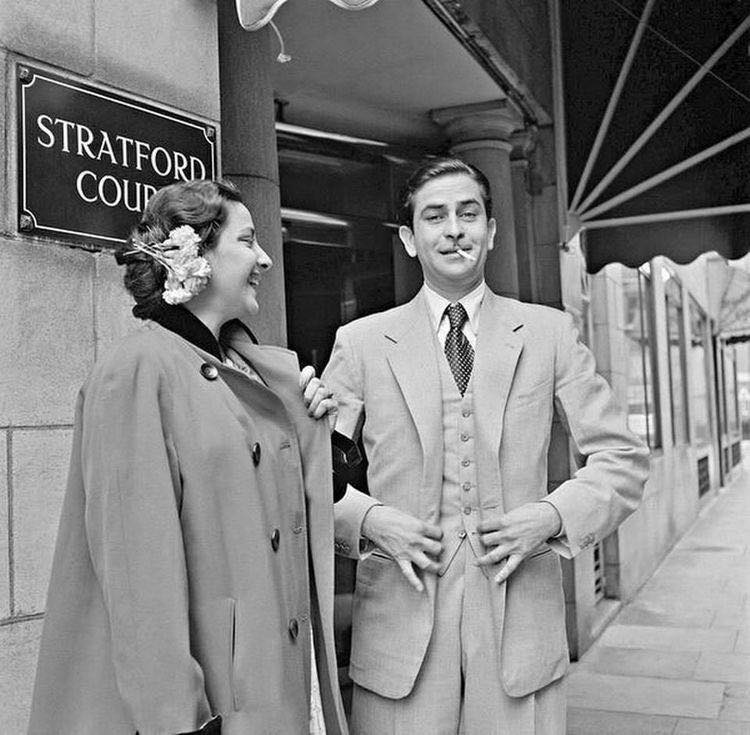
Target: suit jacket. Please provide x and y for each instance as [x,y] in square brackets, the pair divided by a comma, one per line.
[180,586]
[528,361]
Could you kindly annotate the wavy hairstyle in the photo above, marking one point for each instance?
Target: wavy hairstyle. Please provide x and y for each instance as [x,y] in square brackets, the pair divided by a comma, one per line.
[431,169]
[199,203]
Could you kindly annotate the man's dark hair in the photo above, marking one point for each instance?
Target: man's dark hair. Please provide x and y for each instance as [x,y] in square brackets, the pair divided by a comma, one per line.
[432,169]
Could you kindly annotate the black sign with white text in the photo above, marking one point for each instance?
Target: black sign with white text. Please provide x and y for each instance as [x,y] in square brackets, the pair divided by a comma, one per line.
[89,159]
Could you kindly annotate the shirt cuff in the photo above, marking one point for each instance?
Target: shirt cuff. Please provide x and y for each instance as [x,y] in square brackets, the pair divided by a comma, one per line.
[365,545]
[561,532]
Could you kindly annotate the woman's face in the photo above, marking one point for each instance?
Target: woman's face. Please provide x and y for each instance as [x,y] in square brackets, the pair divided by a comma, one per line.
[237,262]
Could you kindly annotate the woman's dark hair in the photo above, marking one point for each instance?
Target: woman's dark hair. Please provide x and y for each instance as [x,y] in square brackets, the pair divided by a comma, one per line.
[432,169]
[198,203]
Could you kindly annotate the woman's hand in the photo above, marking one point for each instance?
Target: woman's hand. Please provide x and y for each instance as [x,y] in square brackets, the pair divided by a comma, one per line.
[318,399]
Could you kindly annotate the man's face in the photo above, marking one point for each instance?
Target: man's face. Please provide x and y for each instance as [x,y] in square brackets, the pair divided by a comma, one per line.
[449,217]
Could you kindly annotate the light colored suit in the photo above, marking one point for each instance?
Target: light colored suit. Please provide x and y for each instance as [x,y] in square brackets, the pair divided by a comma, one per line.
[384,371]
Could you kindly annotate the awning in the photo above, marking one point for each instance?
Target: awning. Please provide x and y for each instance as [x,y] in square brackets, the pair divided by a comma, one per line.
[655,98]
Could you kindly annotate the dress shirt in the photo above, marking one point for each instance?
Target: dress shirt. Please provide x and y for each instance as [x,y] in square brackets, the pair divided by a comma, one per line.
[437,305]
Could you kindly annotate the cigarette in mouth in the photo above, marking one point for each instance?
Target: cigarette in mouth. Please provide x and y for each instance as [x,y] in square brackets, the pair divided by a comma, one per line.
[464,254]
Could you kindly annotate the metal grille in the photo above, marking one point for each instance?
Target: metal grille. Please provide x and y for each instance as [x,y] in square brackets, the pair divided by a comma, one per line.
[736,454]
[599,580]
[704,477]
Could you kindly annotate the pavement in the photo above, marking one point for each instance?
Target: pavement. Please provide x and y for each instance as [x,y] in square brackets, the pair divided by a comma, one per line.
[676,659]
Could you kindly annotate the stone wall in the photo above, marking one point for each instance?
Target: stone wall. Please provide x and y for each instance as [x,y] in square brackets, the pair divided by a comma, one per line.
[60,306]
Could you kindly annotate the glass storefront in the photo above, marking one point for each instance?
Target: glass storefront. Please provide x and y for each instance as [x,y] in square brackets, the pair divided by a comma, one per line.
[642,414]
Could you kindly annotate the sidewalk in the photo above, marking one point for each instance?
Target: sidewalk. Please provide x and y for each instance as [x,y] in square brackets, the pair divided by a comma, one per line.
[676,660]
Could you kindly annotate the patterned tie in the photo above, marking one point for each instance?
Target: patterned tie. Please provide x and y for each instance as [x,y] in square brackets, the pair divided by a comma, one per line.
[459,352]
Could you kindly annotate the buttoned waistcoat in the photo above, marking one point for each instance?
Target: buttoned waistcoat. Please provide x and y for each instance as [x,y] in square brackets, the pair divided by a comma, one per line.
[528,363]
[180,585]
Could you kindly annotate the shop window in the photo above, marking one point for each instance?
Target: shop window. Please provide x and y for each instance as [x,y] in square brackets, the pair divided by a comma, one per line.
[676,339]
[732,410]
[698,356]
[642,410]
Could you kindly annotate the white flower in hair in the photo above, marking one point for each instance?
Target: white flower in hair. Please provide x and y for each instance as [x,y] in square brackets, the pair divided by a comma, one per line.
[187,271]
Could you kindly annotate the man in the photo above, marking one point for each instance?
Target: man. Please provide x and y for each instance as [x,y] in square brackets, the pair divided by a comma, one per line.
[458,618]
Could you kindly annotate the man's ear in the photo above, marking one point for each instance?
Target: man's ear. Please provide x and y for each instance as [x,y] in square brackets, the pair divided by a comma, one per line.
[491,231]
[407,237]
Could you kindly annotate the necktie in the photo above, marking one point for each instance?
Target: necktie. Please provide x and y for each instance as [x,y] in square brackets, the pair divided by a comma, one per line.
[459,352]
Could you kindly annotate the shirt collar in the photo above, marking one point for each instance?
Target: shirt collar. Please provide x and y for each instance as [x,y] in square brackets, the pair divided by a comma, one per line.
[471,302]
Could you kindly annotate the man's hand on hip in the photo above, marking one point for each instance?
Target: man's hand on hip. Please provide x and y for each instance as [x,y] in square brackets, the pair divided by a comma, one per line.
[514,535]
[406,539]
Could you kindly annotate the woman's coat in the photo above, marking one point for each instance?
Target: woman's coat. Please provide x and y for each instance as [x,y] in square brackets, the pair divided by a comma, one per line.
[197,499]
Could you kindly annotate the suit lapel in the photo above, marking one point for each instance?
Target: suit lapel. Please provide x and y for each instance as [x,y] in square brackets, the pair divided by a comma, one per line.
[499,346]
[412,356]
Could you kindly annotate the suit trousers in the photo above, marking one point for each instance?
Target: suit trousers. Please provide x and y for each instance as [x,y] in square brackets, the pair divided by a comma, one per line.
[458,689]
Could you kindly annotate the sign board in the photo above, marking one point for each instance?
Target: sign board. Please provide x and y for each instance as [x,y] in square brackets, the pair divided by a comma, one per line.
[89,159]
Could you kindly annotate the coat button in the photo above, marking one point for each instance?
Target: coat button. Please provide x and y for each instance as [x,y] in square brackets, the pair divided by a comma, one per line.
[256,454]
[209,372]
[275,537]
[293,629]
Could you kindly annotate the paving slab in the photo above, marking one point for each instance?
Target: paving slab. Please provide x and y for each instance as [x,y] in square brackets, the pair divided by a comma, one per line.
[669,639]
[646,695]
[664,614]
[736,704]
[742,645]
[728,667]
[641,662]
[706,727]
[597,722]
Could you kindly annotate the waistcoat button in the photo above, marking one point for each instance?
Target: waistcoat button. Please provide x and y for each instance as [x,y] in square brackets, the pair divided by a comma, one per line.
[275,537]
[466,413]
[256,454]
[467,510]
[465,462]
[464,436]
[466,486]
[209,372]
[293,629]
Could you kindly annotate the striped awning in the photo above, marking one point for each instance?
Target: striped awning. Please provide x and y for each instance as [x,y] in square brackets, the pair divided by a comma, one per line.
[654,101]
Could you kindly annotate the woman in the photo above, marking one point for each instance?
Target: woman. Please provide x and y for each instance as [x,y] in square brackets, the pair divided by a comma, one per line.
[192,586]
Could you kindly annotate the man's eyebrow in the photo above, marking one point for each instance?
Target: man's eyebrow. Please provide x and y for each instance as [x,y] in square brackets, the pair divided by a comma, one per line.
[465,202]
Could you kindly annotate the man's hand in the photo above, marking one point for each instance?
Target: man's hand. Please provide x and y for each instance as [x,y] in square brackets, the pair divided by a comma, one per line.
[514,535]
[319,400]
[406,539]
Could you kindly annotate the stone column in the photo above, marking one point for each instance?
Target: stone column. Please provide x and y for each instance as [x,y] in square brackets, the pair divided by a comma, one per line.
[248,153]
[523,145]
[480,134]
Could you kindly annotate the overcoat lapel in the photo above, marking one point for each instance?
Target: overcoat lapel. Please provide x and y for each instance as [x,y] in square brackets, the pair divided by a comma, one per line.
[499,346]
[412,356]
